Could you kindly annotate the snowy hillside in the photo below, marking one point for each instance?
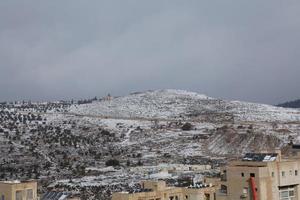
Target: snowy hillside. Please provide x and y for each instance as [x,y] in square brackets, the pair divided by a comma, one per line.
[261,112]
[151,104]
[74,143]
[174,104]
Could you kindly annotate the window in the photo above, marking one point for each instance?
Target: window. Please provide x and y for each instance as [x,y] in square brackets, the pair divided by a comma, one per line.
[287,193]
[186,197]
[284,194]
[252,175]
[245,190]
[283,173]
[296,172]
[207,196]
[29,195]
[19,195]
[291,173]
[273,174]
[242,174]
[223,189]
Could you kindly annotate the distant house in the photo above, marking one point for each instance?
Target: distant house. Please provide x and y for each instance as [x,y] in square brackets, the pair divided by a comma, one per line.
[27,190]
[157,190]
[17,190]
[107,98]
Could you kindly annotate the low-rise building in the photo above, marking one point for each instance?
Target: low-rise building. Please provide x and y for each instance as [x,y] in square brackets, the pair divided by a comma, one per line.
[55,195]
[158,190]
[17,190]
[263,176]
[171,168]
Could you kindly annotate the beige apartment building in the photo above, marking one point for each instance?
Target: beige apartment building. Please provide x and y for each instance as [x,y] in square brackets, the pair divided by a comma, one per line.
[17,190]
[262,176]
[157,190]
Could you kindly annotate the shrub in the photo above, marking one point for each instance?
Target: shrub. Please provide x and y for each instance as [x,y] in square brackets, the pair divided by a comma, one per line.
[187,127]
[112,162]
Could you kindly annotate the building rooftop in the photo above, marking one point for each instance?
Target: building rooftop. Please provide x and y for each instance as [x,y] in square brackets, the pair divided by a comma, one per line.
[260,157]
[199,186]
[16,181]
[11,182]
[55,196]
[132,191]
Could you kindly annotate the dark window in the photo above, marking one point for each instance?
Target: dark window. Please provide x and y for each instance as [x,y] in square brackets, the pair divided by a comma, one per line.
[207,196]
[223,189]
[296,172]
[252,175]
[242,174]
[283,173]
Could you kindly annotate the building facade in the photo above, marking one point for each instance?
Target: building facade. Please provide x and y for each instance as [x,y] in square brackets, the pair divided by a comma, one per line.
[17,190]
[157,190]
[261,176]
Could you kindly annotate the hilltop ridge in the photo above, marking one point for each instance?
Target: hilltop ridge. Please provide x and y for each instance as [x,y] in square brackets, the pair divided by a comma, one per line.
[290,104]
[175,104]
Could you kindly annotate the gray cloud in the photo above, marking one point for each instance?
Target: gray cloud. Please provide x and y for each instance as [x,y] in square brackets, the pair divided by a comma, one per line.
[246,50]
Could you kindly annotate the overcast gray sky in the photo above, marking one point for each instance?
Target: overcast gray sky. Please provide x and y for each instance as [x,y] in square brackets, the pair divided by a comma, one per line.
[233,49]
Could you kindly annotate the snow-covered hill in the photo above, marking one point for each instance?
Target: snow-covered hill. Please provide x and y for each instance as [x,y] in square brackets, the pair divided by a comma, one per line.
[151,104]
[61,139]
[174,104]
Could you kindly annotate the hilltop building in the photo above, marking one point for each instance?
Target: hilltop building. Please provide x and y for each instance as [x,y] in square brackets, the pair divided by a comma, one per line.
[157,190]
[17,190]
[107,98]
[262,176]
